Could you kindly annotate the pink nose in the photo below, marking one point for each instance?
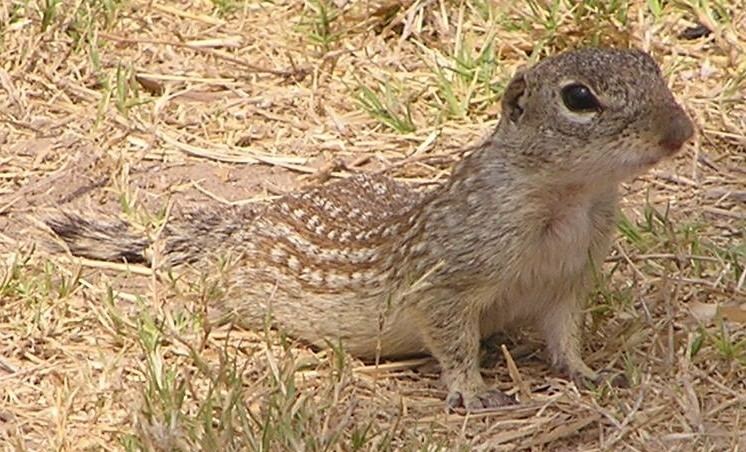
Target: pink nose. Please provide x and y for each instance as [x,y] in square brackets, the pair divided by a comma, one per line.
[677,128]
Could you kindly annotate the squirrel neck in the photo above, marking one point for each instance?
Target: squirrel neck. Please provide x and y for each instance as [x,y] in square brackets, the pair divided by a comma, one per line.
[489,193]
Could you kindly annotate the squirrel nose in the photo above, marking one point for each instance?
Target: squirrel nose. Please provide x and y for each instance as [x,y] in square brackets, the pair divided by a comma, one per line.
[677,128]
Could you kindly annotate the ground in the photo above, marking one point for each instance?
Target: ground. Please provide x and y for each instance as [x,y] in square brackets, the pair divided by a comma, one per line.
[133,107]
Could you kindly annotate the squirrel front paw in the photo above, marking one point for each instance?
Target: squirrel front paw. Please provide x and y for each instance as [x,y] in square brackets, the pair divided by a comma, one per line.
[484,400]
[605,377]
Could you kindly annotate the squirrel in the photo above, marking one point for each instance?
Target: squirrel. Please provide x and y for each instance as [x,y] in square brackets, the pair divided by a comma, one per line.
[511,238]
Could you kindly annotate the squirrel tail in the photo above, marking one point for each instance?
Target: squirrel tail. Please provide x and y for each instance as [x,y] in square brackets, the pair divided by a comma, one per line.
[185,239]
[101,238]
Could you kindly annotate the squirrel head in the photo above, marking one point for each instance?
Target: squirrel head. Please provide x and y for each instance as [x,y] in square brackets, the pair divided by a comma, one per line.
[591,112]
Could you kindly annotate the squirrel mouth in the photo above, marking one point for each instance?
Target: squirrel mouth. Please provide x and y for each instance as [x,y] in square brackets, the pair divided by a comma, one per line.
[647,162]
[677,131]
[666,148]
[670,148]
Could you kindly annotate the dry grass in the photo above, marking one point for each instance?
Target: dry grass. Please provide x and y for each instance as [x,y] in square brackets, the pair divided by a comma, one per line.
[131,104]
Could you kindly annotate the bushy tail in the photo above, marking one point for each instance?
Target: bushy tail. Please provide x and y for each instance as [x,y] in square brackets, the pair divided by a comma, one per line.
[102,238]
[185,239]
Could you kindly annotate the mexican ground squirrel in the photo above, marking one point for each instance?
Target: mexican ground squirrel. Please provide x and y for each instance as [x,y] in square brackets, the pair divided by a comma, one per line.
[511,238]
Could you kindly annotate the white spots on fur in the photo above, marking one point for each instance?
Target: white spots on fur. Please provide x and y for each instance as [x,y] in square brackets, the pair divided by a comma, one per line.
[277,253]
[294,264]
[380,188]
[390,230]
[328,238]
[299,213]
[363,216]
[330,209]
[335,279]
[373,233]
[312,276]
[314,224]
[338,278]
[358,256]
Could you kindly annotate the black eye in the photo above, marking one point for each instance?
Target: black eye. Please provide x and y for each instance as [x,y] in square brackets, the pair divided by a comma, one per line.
[579,98]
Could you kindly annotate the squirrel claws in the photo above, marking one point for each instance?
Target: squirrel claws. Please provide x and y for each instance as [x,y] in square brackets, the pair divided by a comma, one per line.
[485,400]
[608,377]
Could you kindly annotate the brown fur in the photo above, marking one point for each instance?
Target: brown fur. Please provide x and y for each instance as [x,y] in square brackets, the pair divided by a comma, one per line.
[511,238]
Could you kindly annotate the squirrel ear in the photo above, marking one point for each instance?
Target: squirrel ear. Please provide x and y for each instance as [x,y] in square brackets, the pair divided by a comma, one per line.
[513,97]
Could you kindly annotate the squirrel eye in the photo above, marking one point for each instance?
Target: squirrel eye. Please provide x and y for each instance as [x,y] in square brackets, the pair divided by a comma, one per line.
[579,98]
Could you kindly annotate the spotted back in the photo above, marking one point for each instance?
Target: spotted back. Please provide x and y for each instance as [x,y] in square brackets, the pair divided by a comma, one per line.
[335,237]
